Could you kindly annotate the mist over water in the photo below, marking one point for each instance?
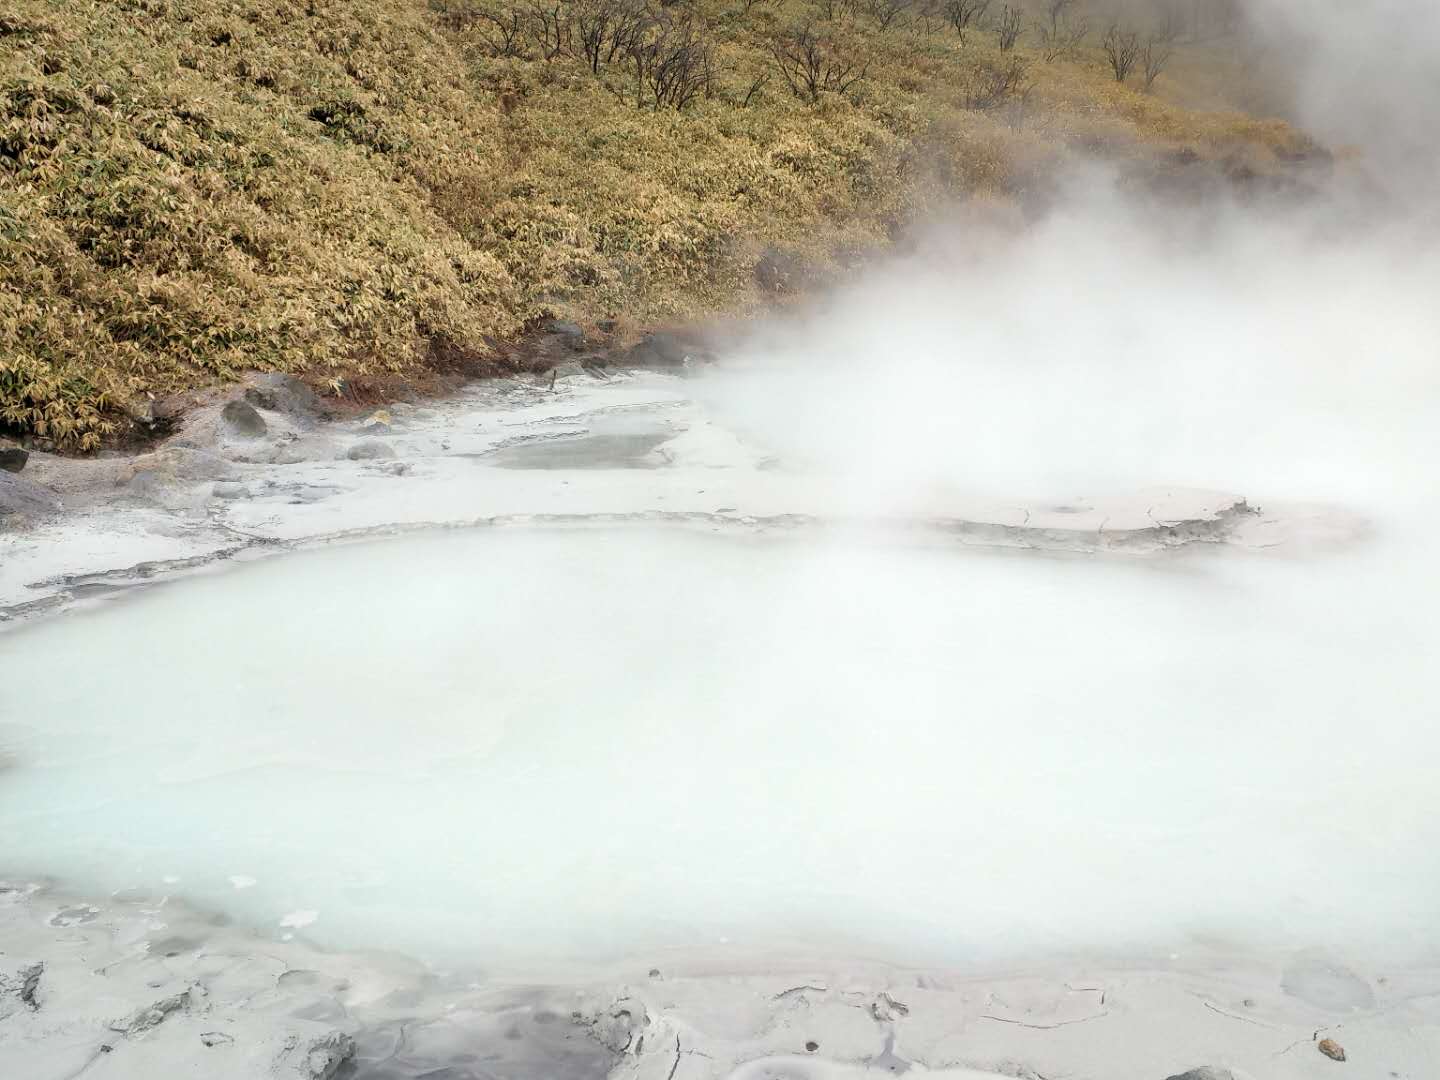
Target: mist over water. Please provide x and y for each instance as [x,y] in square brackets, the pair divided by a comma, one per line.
[528,747]
[516,746]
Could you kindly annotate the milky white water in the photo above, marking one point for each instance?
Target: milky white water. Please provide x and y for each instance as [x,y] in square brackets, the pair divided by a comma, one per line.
[526,745]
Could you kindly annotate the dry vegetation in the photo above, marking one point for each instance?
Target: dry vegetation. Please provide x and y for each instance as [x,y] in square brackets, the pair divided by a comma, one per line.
[343,188]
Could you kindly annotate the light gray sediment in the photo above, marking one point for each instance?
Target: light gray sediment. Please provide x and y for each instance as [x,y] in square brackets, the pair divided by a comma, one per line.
[620,450]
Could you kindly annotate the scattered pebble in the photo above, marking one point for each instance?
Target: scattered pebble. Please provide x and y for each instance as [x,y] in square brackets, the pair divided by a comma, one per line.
[1331,1049]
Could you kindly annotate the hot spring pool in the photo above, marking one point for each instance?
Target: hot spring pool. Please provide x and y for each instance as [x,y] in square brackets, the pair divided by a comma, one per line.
[512,746]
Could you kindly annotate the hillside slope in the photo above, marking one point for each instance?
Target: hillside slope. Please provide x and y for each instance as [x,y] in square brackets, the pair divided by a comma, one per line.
[352,188]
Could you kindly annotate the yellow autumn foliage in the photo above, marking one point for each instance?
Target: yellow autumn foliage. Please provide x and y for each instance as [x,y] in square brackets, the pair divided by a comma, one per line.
[194,188]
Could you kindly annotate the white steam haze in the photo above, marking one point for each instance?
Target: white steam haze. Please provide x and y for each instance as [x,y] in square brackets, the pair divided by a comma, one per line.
[578,744]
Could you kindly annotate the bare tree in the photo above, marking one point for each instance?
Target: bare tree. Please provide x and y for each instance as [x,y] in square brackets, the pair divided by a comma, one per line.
[835,10]
[605,30]
[885,12]
[503,34]
[1153,58]
[550,28]
[673,63]
[962,14]
[993,85]
[1009,28]
[1122,49]
[810,65]
[1057,10]
[1063,38]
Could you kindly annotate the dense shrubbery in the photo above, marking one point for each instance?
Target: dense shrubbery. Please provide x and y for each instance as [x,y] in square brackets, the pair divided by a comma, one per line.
[191,188]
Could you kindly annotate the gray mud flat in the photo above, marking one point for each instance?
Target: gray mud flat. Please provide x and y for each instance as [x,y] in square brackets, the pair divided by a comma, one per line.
[137,987]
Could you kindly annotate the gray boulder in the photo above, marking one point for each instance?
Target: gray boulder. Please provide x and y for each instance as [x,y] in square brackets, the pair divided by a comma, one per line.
[667,350]
[22,499]
[370,450]
[230,489]
[1205,1072]
[282,393]
[568,332]
[241,419]
[13,459]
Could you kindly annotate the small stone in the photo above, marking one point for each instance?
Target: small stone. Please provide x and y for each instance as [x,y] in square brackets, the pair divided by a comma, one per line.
[230,489]
[13,459]
[654,973]
[1205,1072]
[241,418]
[812,1046]
[369,450]
[1331,1049]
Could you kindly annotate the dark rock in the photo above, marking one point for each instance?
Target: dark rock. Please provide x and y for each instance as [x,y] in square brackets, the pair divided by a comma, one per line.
[1205,1072]
[667,350]
[13,459]
[241,418]
[370,450]
[282,393]
[569,332]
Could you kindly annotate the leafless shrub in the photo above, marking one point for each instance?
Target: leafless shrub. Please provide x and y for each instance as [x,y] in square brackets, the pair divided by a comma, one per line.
[673,63]
[1154,56]
[1122,49]
[1009,27]
[835,10]
[929,11]
[756,86]
[504,34]
[747,6]
[605,30]
[811,66]
[1063,38]
[885,12]
[1056,11]
[962,14]
[993,85]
